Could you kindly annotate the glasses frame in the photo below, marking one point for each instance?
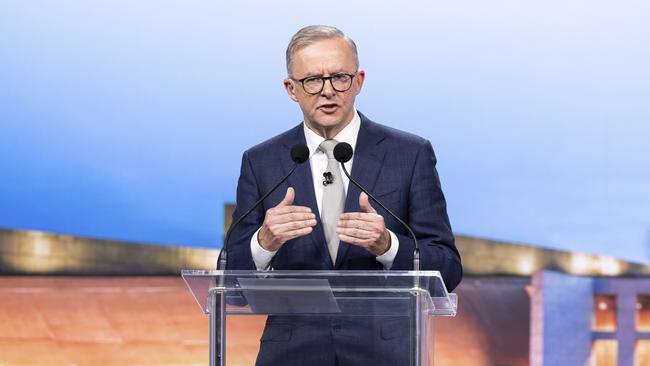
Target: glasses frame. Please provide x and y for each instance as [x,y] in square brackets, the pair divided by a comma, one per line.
[325,78]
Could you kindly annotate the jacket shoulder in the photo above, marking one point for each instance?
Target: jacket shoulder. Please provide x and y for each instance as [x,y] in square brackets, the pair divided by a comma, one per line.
[392,135]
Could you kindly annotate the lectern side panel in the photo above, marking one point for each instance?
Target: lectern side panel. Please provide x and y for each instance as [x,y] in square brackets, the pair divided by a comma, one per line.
[200,287]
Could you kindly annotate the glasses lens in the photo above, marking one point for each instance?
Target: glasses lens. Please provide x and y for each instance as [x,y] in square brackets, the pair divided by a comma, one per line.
[313,85]
[341,82]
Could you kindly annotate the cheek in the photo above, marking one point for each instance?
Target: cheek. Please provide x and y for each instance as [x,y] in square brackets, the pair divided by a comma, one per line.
[307,104]
[348,101]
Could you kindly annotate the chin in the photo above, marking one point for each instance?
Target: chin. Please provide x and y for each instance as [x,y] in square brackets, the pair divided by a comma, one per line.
[329,120]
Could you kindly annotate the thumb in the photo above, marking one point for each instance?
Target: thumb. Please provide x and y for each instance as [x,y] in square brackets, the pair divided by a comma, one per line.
[365,205]
[288,198]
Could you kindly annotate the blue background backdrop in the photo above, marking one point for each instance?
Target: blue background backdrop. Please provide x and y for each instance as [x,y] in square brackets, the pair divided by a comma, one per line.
[127,120]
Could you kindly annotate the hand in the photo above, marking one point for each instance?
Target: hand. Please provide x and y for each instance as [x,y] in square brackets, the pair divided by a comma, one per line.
[285,222]
[365,229]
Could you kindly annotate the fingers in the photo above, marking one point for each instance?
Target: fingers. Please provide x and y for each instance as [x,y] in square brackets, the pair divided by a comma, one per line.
[363,242]
[284,228]
[364,204]
[359,229]
[273,237]
[376,243]
[285,211]
[360,237]
[289,225]
[288,235]
[288,198]
[275,218]
[360,216]
[360,225]
[365,229]
[285,222]
[356,233]
[369,232]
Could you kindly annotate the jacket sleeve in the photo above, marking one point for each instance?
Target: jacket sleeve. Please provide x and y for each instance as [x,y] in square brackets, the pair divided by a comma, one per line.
[427,216]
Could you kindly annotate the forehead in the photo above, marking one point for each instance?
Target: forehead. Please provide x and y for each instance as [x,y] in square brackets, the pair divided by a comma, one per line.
[322,57]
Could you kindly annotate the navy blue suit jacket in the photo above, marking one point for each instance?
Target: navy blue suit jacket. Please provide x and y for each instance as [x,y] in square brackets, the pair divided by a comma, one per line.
[399,169]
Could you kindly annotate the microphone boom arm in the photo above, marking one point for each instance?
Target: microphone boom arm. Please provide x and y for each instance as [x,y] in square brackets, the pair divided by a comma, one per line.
[223,253]
[416,251]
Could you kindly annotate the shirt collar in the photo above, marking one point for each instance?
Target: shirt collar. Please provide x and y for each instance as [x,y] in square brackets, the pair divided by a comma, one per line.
[348,134]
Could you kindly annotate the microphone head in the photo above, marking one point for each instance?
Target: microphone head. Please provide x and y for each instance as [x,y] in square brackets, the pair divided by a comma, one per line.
[343,152]
[299,153]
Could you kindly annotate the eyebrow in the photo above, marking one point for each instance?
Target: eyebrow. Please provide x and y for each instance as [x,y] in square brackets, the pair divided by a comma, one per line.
[309,75]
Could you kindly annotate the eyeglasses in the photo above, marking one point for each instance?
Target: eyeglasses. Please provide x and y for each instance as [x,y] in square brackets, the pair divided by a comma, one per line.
[340,82]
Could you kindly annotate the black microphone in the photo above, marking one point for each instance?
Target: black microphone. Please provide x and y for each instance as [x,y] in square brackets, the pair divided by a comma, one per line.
[329,178]
[299,154]
[343,153]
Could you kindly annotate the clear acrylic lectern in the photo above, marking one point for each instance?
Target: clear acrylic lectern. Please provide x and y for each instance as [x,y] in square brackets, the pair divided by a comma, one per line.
[368,297]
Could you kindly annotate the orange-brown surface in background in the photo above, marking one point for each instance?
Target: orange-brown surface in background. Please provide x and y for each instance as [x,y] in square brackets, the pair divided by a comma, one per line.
[109,321]
[154,321]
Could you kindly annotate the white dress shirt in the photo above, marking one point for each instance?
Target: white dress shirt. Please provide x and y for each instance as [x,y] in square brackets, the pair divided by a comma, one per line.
[318,163]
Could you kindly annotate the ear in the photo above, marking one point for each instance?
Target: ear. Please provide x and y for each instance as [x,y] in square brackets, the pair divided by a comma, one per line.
[358,80]
[290,87]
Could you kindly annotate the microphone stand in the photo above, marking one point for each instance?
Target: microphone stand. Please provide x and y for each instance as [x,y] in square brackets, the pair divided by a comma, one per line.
[223,254]
[416,251]
[217,298]
[416,326]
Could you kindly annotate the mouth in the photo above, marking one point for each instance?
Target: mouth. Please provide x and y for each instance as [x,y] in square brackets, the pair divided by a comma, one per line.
[328,108]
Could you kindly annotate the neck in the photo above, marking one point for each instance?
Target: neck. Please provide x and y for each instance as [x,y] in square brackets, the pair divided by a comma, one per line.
[327,132]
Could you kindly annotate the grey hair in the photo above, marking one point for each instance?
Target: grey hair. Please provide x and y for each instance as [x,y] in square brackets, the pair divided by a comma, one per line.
[313,33]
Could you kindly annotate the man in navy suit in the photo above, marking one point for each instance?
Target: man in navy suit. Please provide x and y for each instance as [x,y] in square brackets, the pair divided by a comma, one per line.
[287,233]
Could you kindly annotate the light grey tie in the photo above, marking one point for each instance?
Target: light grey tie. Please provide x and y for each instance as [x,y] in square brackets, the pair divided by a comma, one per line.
[333,198]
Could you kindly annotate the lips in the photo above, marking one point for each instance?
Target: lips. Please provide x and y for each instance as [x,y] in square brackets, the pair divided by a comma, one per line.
[328,108]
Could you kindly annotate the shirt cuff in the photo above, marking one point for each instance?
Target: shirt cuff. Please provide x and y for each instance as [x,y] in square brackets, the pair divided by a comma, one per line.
[261,256]
[387,258]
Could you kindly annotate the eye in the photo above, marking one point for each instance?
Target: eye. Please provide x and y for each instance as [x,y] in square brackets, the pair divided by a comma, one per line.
[340,78]
[313,80]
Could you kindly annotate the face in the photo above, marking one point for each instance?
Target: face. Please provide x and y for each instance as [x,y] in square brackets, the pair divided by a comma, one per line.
[329,111]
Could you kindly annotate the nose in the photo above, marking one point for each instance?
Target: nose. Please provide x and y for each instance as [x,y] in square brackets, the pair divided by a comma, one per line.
[328,90]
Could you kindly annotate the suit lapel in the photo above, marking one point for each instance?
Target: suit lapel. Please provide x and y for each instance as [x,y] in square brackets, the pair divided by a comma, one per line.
[366,167]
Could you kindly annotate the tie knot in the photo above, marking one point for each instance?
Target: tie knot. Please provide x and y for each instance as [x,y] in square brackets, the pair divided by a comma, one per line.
[327,147]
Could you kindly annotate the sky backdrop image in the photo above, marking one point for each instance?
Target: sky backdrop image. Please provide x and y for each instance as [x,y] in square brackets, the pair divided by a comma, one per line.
[127,120]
